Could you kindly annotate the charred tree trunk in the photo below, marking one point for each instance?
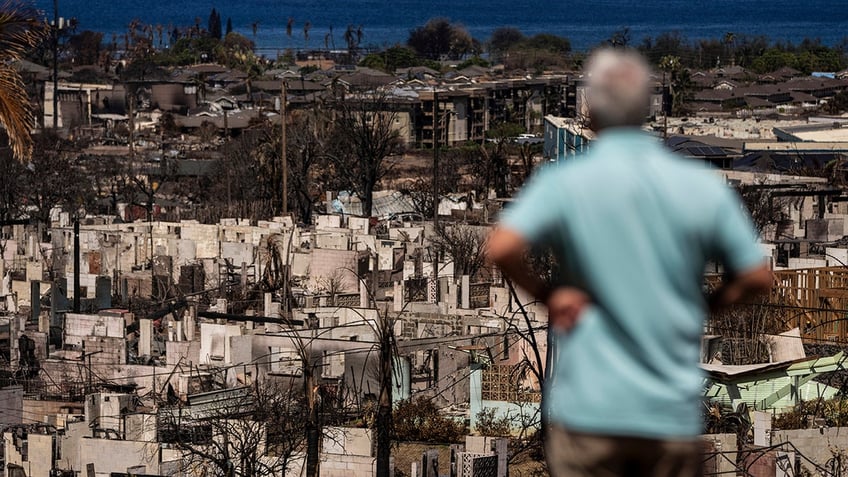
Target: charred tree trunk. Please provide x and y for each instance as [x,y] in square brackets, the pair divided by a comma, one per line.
[313,428]
[384,409]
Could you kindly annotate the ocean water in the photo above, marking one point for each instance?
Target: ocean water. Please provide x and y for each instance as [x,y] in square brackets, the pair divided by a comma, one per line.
[385,23]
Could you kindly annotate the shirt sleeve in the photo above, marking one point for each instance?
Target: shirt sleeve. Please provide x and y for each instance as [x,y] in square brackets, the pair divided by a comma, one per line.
[533,214]
[736,244]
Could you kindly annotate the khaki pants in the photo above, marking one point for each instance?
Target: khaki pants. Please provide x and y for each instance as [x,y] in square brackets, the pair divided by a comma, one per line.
[571,454]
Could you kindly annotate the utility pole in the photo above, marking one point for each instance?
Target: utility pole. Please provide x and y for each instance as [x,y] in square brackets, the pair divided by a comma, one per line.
[131,121]
[76,265]
[55,64]
[435,158]
[313,427]
[384,402]
[283,156]
[436,134]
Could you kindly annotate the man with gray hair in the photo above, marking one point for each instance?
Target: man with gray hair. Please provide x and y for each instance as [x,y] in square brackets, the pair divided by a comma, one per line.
[632,227]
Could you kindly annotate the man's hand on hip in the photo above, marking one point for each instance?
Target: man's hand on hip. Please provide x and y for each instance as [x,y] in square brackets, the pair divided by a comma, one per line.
[565,305]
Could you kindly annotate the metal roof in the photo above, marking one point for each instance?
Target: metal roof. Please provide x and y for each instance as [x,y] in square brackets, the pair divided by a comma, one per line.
[771,386]
[766,395]
[385,204]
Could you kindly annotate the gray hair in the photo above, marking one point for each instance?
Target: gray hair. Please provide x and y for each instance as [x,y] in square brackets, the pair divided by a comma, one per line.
[618,88]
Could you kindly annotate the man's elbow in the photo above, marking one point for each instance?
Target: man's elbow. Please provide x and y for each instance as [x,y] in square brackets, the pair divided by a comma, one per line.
[504,246]
[758,281]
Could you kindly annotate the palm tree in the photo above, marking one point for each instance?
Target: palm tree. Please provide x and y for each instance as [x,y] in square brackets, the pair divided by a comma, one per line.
[21,28]
[729,41]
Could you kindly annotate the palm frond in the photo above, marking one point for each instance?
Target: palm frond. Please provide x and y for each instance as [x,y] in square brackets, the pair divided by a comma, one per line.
[21,28]
[15,112]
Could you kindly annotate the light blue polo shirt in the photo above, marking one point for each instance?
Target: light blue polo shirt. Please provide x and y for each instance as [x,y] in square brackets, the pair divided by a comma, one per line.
[634,225]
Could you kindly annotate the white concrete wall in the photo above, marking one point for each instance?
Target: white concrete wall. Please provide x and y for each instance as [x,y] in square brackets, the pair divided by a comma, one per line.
[212,342]
[327,264]
[331,240]
[836,257]
[110,455]
[324,222]
[818,445]
[726,444]
[347,453]
[39,458]
[796,263]
[141,427]
[78,326]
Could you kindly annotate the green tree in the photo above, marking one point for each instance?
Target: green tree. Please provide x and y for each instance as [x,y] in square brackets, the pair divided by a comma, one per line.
[374,61]
[473,61]
[401,57]
[85,47]
[538,52]
[21,29]
[440,38]
[729,41]
[503,39]
[214,24]
[236,51]
[678,80]
[187,50]
[549,42]
[393,58]
[773,59]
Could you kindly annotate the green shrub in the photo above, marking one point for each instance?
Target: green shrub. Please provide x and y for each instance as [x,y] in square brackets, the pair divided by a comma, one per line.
[490,425]
[418,419]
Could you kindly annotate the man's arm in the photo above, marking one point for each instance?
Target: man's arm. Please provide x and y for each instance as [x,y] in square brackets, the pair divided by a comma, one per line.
[740,286]
[508,250]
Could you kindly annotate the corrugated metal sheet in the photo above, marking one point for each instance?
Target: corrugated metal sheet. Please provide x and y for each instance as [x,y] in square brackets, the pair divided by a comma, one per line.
[768,386]
[754,393]
[385,204]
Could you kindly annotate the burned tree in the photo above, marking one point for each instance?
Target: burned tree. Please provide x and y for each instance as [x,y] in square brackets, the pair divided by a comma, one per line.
[53,178]
[364,136]
[248,431]
[307,134]
[746,330]
[464,245]
[245,182]
[764,208]
[493,170]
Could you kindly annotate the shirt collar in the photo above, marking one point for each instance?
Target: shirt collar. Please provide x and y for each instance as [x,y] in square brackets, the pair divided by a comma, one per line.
[624,134]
